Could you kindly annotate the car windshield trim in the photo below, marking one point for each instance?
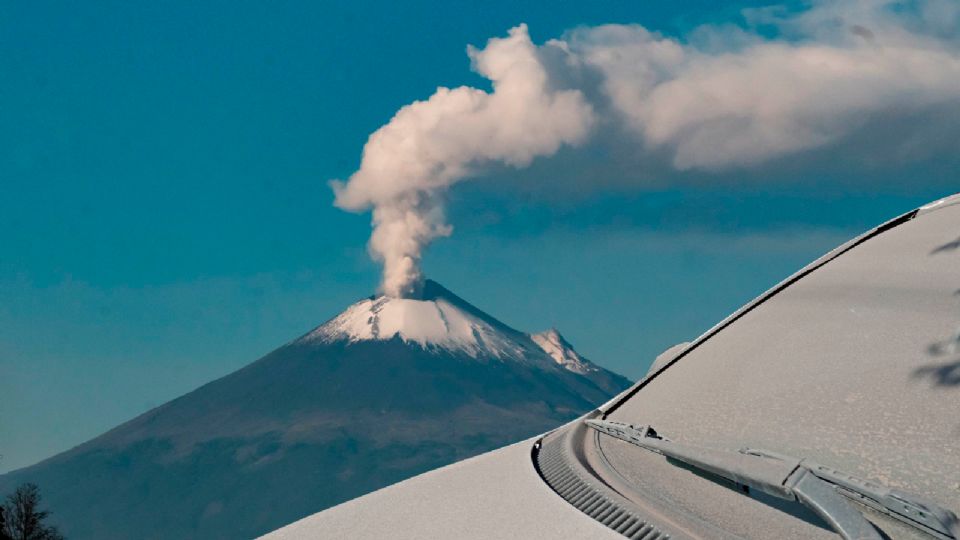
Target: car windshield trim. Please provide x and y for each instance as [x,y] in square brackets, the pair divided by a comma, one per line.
[824,490]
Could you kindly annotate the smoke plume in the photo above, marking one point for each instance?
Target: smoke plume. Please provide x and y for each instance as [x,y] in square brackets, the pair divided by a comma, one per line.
[723,97]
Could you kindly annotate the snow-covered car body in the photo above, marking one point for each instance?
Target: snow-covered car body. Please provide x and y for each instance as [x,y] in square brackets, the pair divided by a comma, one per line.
[853,363]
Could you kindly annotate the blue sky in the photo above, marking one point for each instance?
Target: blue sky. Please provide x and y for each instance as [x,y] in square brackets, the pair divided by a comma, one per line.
[165,216]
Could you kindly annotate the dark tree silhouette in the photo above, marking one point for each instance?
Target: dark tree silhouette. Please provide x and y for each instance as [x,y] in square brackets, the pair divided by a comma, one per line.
[3,526]
[22,518]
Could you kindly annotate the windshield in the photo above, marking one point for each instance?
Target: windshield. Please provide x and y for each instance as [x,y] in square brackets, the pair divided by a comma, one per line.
[857,365]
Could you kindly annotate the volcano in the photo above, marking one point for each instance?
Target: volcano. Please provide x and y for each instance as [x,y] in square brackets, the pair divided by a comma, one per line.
[385,390]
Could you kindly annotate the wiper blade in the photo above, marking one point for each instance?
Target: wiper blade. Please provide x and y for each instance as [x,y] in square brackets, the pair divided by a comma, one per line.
[824,490]
[906,507]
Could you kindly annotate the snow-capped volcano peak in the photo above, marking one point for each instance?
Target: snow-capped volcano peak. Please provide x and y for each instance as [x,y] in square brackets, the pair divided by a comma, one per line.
[440,320]
[562,352]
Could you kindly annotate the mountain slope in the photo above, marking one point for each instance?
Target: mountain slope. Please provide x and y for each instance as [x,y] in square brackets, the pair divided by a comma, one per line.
[388,389]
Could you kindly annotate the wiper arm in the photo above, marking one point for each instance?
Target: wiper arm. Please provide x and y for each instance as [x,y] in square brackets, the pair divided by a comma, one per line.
[824,490]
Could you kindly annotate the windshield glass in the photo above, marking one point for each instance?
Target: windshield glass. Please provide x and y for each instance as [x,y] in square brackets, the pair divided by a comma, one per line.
[856,365]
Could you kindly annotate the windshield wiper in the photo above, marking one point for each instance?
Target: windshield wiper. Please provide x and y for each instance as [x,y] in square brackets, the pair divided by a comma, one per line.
[824,490]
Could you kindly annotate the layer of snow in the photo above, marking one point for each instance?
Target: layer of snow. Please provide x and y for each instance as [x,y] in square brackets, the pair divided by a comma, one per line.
[432,324]
[562,352]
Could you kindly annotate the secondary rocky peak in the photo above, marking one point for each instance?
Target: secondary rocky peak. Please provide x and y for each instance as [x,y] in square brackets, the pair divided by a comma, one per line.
[562,352]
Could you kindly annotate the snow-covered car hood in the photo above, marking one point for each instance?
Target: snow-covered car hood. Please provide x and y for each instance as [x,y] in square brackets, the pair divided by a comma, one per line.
[853,362]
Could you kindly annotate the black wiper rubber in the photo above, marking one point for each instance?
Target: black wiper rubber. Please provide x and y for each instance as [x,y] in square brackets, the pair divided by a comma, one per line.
[824,490]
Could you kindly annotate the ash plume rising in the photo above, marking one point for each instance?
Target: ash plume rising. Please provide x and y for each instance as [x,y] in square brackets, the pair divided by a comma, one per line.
[724,97]
[430,145]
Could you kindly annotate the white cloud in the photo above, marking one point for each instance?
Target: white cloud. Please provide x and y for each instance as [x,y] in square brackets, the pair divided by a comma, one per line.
[724,98]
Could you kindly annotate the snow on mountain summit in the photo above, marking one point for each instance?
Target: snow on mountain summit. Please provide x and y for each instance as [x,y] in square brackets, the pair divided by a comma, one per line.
[429,323]
[439,320]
